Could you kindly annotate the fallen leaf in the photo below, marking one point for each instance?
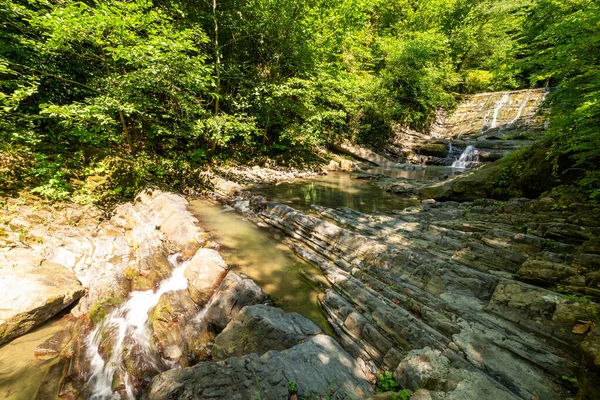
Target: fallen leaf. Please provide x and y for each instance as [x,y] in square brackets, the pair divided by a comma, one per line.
[583,327]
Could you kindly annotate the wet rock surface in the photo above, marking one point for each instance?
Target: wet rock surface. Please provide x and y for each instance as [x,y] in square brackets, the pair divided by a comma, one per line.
[502,292]
[495,123]
[129,263]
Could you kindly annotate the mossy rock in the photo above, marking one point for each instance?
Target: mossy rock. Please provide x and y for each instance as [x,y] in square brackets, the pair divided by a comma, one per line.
[131,272]
[434,150]
[465,188]
[103,307]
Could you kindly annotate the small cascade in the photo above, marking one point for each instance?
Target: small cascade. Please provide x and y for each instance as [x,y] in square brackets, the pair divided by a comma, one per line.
[468,158]
[521,108]
[451,152]
[125,330]
[505,98]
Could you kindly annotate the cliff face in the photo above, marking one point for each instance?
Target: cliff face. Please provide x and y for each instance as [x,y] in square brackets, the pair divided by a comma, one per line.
[493,123]
[494,112]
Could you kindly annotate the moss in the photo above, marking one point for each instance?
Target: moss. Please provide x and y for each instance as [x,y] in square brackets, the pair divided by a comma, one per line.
[131,272]
[526,173]
[102,307]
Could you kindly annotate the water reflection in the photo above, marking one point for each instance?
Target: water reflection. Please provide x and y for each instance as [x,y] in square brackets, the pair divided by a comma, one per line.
[334,190]
[426,174]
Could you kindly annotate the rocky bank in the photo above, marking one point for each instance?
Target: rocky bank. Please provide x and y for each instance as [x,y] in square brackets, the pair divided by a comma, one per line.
[467,300]
[52,257]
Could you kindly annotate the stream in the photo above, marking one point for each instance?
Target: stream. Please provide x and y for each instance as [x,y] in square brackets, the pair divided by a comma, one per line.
[21,372]
[291,283]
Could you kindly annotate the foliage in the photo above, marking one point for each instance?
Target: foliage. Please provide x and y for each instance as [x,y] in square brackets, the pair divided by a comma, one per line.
[561,44]
[98,99]
[387,383]
[293,387]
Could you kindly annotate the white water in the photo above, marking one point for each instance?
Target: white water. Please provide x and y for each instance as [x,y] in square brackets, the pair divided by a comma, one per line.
[128,323]
[505,98]
[468,158]
[523,105]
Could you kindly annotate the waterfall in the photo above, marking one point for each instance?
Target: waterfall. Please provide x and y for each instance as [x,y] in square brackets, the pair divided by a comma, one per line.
[467,159]
[502,102]
[515,119]
[126,328]
[451,152]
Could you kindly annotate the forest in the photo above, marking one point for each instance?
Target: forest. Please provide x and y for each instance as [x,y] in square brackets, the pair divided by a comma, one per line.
[100,98]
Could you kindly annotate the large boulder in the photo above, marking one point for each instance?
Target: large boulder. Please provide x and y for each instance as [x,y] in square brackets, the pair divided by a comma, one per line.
[204,272]
[471,186]
[430,369]
[33,290]
[260,328]
[234,293]
[317,368]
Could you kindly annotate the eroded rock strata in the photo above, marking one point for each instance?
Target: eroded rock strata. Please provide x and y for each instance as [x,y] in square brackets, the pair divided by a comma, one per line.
[457,297]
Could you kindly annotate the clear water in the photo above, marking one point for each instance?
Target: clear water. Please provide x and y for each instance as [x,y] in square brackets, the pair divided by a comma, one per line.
[291,283]
[21,372]
[337,189]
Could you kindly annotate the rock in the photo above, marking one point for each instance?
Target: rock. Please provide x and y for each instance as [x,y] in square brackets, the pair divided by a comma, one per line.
[444,275]
[319,368]
[204,271]
[431,370]
[33,290]
[346,165]
[471,186]
[234,293]
[176,336]
[225,187]
[545,272]
[424,394]
[332,166]
[260,328]
[433,149]
[363,154]
[591,348]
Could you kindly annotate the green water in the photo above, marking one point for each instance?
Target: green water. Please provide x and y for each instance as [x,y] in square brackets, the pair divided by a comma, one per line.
[337,189]
[291,283]
[421,173]
[21,372]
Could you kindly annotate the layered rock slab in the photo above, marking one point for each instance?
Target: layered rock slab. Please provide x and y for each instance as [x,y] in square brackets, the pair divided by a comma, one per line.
[319,368]
[258,329]
[447,276]
[33,290]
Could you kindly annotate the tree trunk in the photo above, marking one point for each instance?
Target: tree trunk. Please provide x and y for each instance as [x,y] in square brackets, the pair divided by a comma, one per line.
[217,57]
